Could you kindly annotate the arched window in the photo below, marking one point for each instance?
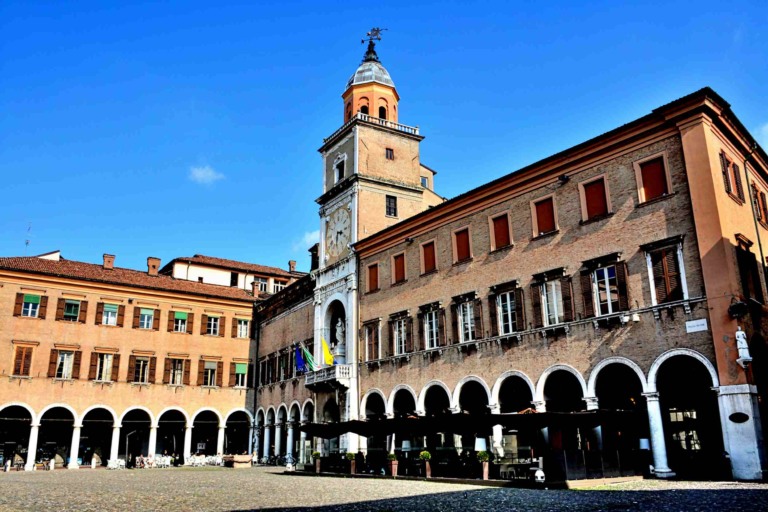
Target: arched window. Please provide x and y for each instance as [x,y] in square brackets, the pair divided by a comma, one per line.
[364,109]
[382,112]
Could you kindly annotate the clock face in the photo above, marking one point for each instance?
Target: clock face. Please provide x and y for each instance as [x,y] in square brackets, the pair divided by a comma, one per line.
[337,230]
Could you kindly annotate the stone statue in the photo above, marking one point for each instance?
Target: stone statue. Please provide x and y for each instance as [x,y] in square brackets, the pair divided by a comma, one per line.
[742,345]
[339,348]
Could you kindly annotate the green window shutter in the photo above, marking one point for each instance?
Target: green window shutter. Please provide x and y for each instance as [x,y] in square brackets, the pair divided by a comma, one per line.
[241,368]
[147,311]
[32,299]
[179,315]
[110,308]
[75,302]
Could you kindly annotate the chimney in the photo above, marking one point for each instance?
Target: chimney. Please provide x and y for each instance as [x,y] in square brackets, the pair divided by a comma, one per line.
[314,253]
[153,265]
[109,261]
[291,266]
[255,288]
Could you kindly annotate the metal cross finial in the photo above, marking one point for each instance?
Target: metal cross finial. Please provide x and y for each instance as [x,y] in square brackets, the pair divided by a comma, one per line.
[374,34]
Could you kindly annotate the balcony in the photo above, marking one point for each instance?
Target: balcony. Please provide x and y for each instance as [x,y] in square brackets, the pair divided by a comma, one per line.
[411,130]
[339,374]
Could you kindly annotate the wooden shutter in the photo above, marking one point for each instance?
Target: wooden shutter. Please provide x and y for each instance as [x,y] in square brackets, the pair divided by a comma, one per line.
[234,327]
[232,376]
[675,289]
[567,292]
[187,370]
[152,369]
[545,216]
[501,236]
[421,344]
[26,364]
[156,320]
[399,264]
[666,275]
[724,169]
[763,206]
[594,196]
[478,311]
[493,314]
[622,287]
[519,309]
[136,314]
[441,328]
[536,304]
[60,309]
[462,245]
[737,181]
[391,348]
[94,364]
[429,257]
[409,334]
[18,305]
[167,371]
[373,278]
[200,372]
[76,364]
[587,294]
[43,307]
[18,360]
[190,323]
[52,363]
[222,326]
[249,376]
[99,313]
[219,373]
[654,178]
[131,368]
[120,315]
[171,318]
[454,323]
[115,367]
[384,342]
[756,203]
[83,311]
[203,324]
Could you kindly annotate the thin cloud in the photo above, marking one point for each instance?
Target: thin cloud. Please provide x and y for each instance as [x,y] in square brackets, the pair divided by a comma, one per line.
[309,239]
[204,175]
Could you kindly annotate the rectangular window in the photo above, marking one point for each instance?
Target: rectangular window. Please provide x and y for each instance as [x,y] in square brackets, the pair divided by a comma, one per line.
[390,153]
[141,370]
[22,361]
[180,321]
[391,206]
[103,367]
[505,308]
[552,303]
[233,278]
[428,257]
[466,313]
[64,364]
[146,318]
[425,182]
[241,373]
[31,306]
[665,268]
[242,328]
[605,290]
[212,327]
[339,174]
[400,336]
[71,310]
[109,315]
[652,178]
[262,283]
[462,248]
[176,372]
[431,329]
[372,341]
[501,237]
[209,373]
[731,177]
[373,277]
[595,200]
[544,212]
[398,268]
[279,286]
[751,287]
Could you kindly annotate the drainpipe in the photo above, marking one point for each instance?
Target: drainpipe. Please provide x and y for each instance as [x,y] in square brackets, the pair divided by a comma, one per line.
[755,202]
[256,365]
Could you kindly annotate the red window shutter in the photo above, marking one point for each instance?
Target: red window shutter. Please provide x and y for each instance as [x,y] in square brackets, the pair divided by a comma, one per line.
[595,197]
[399,261]
[120,316]
[43,307]
[519,309]
[492,314]
[76,364]
[737,181]
[190,323]
[587,294]
[152,369]
[536,303]
[60,309]
[232,368]
[373,278]
[724,168]
[136,313]
[462,245]
[167,371]
[52,363]
[545,216]
[131,368]
[567,291]
[622,287]
[19,304]
[219,373]
[115,367]
[94,364]
[99,313]
[654,178]
[222,326]
[83,311]
[156,320]
[187,370]
[429,257]
[171,318]
[501,236]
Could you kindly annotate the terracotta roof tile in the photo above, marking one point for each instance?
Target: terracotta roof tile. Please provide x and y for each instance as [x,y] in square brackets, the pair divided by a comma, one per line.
[232,264]
[122,276]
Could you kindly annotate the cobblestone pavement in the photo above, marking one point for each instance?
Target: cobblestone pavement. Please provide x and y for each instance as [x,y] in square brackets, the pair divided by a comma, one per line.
[181,489]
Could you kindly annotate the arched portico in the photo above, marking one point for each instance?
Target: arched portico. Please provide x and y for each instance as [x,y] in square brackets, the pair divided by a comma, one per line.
[408,405]
[456,403]
[614,360]
[559,367]
[511,374]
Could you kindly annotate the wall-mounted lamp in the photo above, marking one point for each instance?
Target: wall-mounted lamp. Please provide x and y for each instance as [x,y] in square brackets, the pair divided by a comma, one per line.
[564,178]
[409,240]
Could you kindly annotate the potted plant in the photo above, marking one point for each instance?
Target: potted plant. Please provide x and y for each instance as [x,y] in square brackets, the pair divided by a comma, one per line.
[316,457]
[426,457]
[483,457]
[392,458]
[351,458]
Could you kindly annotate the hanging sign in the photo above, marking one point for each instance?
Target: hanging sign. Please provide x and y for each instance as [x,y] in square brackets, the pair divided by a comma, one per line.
[696,325]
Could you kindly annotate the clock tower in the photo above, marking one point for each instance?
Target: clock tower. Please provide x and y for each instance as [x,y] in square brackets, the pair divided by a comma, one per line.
[372,179]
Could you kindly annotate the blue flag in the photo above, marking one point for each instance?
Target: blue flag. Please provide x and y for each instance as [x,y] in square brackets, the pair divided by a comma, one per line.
[300,365]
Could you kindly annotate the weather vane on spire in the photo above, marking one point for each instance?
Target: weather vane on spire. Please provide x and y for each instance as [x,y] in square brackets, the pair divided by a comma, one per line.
[373,35]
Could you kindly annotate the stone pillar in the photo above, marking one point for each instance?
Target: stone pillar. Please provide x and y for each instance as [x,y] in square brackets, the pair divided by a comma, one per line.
[187,444]
[289,442]
[542,407]
[220,440]
[267,441]
[498,434]
[115,446]
[152,446]
[658,443]
[74,448]
[303,447]
[742,440]
[597,432]
[32,448]
[278,439]
[250,440]
[256,440]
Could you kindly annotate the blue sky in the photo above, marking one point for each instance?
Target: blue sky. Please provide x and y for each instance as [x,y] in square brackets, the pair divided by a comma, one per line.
[176,128]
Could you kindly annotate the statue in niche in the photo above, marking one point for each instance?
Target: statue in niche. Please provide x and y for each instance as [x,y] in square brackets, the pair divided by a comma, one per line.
[339,348]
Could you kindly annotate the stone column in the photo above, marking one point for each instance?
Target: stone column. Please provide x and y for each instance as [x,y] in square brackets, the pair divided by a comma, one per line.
[597,432]
[498,434]
[220,440]
[115,446]
[250,440]
[187,444]
[303,447]
[742,440]
[74,448]
[289,442]
[267,441]
[152,447]
[542,407]
[256,441]
[658,443]
[278,439]
[32,448]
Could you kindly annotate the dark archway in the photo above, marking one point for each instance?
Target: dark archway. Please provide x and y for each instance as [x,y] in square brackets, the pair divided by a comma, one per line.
[565,445]
[382,112]
[308,416]
[563,392]
[517,446]
[55,435]
[404,404]
[691,419]
[170,433]
[237,433]
[437,405]
[134,435]
[205,433]
[331,415]
[96,436]
[514,395]
[436,401]
[15,424]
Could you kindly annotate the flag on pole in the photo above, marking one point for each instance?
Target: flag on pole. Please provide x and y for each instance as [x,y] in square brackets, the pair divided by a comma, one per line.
[301,366]
[308,358]
[327,356]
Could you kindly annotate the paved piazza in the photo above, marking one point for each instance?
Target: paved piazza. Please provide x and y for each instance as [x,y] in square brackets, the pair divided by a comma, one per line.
[201,489]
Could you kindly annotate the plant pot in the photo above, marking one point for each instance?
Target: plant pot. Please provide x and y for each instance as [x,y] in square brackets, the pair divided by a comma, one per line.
[352,467]
[427,469]
[393,467]
[485,470]
[317,465]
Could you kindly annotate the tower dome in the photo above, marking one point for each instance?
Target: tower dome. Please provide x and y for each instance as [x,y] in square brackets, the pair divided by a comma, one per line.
[370,90]
[370,71]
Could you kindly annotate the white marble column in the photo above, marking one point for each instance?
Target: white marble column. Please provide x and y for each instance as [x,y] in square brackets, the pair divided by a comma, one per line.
[152,447]
[74,448]
[278,439]
[220,440]
[187,444]
[498,433]
[597,432]
[289,442]
[115,446]
[542,407]
[250,440]
[267,441]
[303,447]
[32,448]
[658,443]
[256,441]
